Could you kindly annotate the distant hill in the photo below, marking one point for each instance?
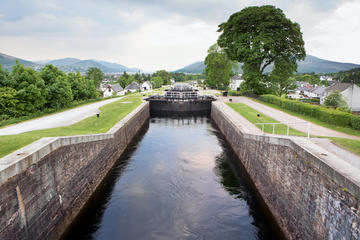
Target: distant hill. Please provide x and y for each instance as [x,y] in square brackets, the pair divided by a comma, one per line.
[310,64]
[8,61]
[68,64]
[196,67]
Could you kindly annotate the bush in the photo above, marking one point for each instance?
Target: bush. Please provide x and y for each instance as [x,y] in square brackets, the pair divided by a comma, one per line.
[324,114]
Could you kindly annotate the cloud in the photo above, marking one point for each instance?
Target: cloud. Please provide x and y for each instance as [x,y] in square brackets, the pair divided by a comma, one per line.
[154,34]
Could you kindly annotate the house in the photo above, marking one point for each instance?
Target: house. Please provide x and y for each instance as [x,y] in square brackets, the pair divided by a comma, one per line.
[302,90]
[112,90]
[172,81]
[146,86]
[132,87]
[317,92]
[350,93]
[235,82]
[326,78]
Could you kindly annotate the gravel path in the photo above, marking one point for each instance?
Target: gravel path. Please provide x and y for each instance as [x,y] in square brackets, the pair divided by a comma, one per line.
[58,119]
[284,117]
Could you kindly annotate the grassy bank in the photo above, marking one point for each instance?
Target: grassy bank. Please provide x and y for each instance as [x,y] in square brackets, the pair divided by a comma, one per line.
[251,115]
[49,112]
[346,130]
[109,116]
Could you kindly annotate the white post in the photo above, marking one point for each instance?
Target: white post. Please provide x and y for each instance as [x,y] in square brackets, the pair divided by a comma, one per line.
[287,130]
[273,128]
[308,130]
[263,129]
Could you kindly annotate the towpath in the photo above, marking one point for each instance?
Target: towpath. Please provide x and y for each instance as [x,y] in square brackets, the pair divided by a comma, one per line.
[284,117]
[58,119]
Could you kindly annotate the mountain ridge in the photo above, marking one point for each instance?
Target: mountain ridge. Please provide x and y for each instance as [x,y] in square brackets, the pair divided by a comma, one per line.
[68,64]
[310,64]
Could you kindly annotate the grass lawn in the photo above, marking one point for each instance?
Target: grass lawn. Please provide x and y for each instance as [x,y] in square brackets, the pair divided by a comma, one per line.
[346,130]
[251,115]
[109,116]
[349,144]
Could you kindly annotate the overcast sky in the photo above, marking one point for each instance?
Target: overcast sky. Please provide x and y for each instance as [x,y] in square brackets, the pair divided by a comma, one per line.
[161,34]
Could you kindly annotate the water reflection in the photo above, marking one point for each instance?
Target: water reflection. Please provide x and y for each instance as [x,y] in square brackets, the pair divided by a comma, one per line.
[176,184]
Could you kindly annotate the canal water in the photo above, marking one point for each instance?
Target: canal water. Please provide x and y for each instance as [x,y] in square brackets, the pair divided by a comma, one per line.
[175,182]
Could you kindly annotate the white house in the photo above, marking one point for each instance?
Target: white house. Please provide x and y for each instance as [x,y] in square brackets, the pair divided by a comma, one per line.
[132,87]
[146,86]
[235,82]
[350,93]
[317,92]
[303,90]
[172,81]
[112,90]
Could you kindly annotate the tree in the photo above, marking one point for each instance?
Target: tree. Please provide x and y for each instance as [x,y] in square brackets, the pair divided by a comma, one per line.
[96,75]
[81,87]
[218,68]
[165,76]
[281,78]
[8,103]
[156,82]
[258,37]
[30,88]
[58,92]
[335,100]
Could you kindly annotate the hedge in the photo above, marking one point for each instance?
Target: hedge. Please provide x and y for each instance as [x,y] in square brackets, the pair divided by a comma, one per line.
[331,116]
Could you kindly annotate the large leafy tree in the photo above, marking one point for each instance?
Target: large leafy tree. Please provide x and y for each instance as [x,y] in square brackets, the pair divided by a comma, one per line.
[258,37]
[30,88]
[335,99]
[58,92]
[218,68]
[165,76]
[81,87]
[96,75]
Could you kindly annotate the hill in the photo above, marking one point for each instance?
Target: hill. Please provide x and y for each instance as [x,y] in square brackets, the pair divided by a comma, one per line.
[310,64]
[68,64]
[8,61]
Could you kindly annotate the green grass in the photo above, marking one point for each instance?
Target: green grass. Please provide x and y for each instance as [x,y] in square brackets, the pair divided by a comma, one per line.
[346,130]
[109,116]
[251,115]
[349,144]
[48,112]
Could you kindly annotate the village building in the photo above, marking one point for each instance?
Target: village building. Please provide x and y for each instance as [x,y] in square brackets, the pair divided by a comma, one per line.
[132,87]
[146,86]
[235,82]
[350,93]
[113,90]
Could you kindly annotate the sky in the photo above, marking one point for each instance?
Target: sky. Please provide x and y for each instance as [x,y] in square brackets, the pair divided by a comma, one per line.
[161,34]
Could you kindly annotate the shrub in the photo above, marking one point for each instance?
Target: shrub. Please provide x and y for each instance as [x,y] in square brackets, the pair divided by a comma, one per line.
[331,116]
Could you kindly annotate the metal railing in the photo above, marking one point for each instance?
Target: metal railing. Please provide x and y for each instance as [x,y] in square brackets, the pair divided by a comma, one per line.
[288,126]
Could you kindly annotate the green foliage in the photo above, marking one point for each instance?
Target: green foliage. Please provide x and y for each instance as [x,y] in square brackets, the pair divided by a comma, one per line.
[258,37]
[281,78]
[8,103]
[96,75]
[164,75]
[335,100]
[30,88]
[352,75]
[156,82]
[331,116]
[218,68]
[24,92]
[81,87]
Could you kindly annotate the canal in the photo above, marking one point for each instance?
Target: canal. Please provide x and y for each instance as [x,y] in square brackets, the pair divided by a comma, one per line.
[175,182]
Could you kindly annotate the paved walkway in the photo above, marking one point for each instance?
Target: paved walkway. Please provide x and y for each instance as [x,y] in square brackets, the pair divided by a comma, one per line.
[58,119]
[284,117]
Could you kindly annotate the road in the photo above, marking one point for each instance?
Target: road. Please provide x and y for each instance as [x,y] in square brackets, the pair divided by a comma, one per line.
[284,117]
[58,119]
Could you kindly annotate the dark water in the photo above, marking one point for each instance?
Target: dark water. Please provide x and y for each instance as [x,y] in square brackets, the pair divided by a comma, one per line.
[175,183]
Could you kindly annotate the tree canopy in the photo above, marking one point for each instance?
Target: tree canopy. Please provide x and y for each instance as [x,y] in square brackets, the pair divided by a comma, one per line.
[258,37]
[218,68]
[96,75]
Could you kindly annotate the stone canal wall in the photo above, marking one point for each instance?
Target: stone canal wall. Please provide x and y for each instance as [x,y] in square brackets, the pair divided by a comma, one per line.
[44,185]
[307,195]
